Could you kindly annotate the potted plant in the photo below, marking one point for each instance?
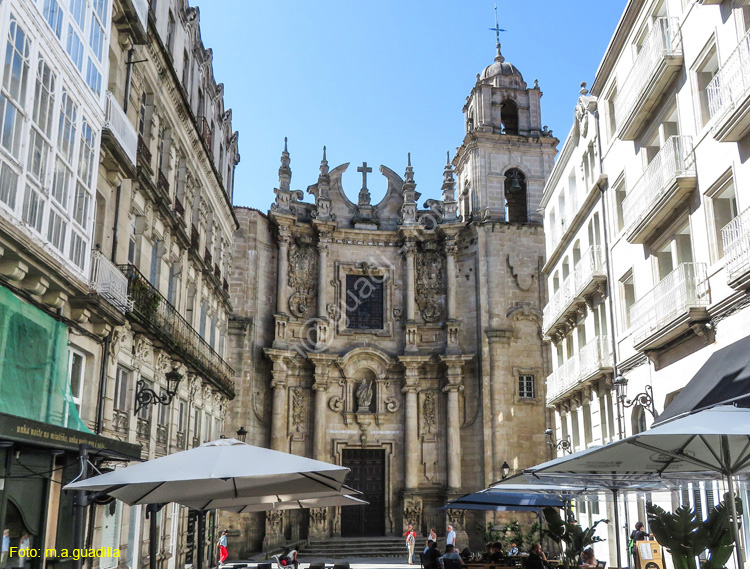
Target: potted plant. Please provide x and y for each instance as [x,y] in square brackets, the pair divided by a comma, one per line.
[574,537]
[686,536]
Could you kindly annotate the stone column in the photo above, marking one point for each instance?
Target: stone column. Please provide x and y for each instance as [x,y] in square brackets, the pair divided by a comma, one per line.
[322,277]
[281,283]
[450,267]
[411,426]
[322,364]
[497,339]
[454,385]
[411,310]
[280,373]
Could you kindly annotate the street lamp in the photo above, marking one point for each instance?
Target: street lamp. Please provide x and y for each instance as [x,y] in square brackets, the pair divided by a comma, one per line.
[241,434]
[563,444]
[505,470]
[645,399]
[145,396]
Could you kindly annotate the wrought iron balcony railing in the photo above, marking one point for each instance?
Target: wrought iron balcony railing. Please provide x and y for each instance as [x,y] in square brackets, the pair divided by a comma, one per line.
[674,161]
[108,282]
[729,90]
[156,314]
[593,359]
[638,92]
[684,288]
[117,125]
[735,236]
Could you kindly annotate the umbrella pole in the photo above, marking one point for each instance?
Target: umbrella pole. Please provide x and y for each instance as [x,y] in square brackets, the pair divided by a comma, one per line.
[201,537]
[740,552]
[617,527]
[153,533]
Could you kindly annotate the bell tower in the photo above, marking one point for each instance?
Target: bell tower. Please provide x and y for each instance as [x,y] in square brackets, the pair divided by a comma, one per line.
[506,154]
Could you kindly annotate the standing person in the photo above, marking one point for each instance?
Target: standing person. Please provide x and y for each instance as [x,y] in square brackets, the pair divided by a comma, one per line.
[6,549]
[450,539]
[411,540]
[223,552]
[432,536]
[637,535]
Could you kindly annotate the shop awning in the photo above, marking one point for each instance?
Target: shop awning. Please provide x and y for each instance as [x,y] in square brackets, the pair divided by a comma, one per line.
[723,379]
[37,433]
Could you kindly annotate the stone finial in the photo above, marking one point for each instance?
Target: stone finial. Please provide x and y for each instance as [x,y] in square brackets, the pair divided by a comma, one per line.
[324,164]
[409,208]
[499,57]
[583,90]
[450,205]
[285,172]
[536,83]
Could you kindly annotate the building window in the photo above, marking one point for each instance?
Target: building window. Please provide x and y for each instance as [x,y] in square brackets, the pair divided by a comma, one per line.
[724,206]
[627,296]
[142,115]
[364,302]
[76,369]
[181,406]
[197,427]
[526,386]
[54,16]
[161,413]
[122,385]
[145,411]
[155,265]
[131,241]
[67,129]
[611,119]
[186,71]
[13,94]
[515,196]
[170,33]
[75,48]
[509,116]
[705,72]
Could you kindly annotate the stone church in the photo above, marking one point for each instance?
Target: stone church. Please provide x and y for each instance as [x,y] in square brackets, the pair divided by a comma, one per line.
[401,341]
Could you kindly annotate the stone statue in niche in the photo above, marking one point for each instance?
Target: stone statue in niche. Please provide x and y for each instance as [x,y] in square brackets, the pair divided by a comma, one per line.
[429,282]
[364,395]
[301,278]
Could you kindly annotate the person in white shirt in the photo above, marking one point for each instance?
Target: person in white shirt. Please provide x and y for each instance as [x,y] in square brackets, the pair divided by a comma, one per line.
[450,539]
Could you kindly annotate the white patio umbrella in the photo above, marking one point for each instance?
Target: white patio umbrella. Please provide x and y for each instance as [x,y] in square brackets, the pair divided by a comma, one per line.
[221,469]
[714,440]
[271,502]
[225,469]
[301,504]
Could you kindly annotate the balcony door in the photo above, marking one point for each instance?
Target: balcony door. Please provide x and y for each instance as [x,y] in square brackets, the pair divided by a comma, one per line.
[677,249]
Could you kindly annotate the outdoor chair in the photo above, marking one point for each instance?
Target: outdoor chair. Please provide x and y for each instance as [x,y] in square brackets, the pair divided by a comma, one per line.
[264,566]
[601,564]
[317,565]
[344,565]
[451,564]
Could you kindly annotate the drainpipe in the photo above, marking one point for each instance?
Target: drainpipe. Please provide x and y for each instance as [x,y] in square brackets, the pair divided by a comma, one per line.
[102,384]
[118,192]
[128,74]
[613,342]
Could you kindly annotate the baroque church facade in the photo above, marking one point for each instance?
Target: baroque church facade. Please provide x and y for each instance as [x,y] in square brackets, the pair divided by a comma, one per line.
[401,341]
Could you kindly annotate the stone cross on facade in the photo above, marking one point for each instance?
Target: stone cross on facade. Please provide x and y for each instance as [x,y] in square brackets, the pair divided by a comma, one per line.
[364,194]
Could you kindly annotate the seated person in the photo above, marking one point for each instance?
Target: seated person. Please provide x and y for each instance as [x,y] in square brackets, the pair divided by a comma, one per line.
[513,551]
[536,559]
[451,558]
[431,556]
[497,555]
[588,561]
[466,554]
[487,555]
[289,559]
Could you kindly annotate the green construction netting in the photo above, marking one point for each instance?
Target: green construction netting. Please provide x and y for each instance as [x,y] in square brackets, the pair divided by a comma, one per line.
[34,368]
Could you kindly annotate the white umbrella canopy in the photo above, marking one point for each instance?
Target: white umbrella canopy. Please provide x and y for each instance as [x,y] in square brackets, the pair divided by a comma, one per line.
[270,502]
[301,504]
[221,469]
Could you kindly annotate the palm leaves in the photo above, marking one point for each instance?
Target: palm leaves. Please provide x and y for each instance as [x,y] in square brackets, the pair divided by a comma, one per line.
[575,538]
[686,536]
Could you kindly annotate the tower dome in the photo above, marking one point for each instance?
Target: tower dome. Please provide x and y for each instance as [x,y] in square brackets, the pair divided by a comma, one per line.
[500,67]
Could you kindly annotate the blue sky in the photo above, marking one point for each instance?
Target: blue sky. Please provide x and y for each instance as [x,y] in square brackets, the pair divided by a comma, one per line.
[373,80]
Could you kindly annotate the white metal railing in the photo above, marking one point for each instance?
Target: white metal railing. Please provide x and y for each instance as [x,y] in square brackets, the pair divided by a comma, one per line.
[735,236]
[109,282]
[588,266]
[141,8]
[663,40]
[592,357]
[558,302]
[732,82]
[117,122]
[684,288]
[673,160]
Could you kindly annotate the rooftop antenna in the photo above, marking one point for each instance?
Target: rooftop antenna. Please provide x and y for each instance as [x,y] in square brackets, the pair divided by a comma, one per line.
[497,29]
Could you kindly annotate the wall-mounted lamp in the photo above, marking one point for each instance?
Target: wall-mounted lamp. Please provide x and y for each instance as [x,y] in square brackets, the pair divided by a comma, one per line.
[241,434]
[645,399]
[145,396]
[563,444]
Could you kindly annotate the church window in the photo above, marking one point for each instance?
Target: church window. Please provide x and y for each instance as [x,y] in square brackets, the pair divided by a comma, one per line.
[526,386]
[515,196]
[364,302]
[509,117]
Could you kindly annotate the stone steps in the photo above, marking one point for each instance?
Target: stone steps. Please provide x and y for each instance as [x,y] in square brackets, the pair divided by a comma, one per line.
[343,548]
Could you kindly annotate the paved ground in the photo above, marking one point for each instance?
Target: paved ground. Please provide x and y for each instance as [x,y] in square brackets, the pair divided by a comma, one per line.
[361,563]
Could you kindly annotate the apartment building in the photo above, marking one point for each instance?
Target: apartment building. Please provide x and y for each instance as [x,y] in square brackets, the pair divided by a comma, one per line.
[117,159]
[646,217]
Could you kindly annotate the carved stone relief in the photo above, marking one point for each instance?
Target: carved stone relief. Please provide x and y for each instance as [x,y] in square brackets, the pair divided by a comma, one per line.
[428,412]
[429,284]
[523,269]
[298,409]
[301,280]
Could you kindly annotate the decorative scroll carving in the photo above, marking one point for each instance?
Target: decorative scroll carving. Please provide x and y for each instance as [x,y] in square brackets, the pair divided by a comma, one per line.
[301,278]
[336,404]
[413,512]
[523,268]
[429,284]
[392,405]
[428,411]
[298,409]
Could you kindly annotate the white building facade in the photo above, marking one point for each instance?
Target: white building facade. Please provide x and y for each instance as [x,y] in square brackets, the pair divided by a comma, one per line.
[646,217]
